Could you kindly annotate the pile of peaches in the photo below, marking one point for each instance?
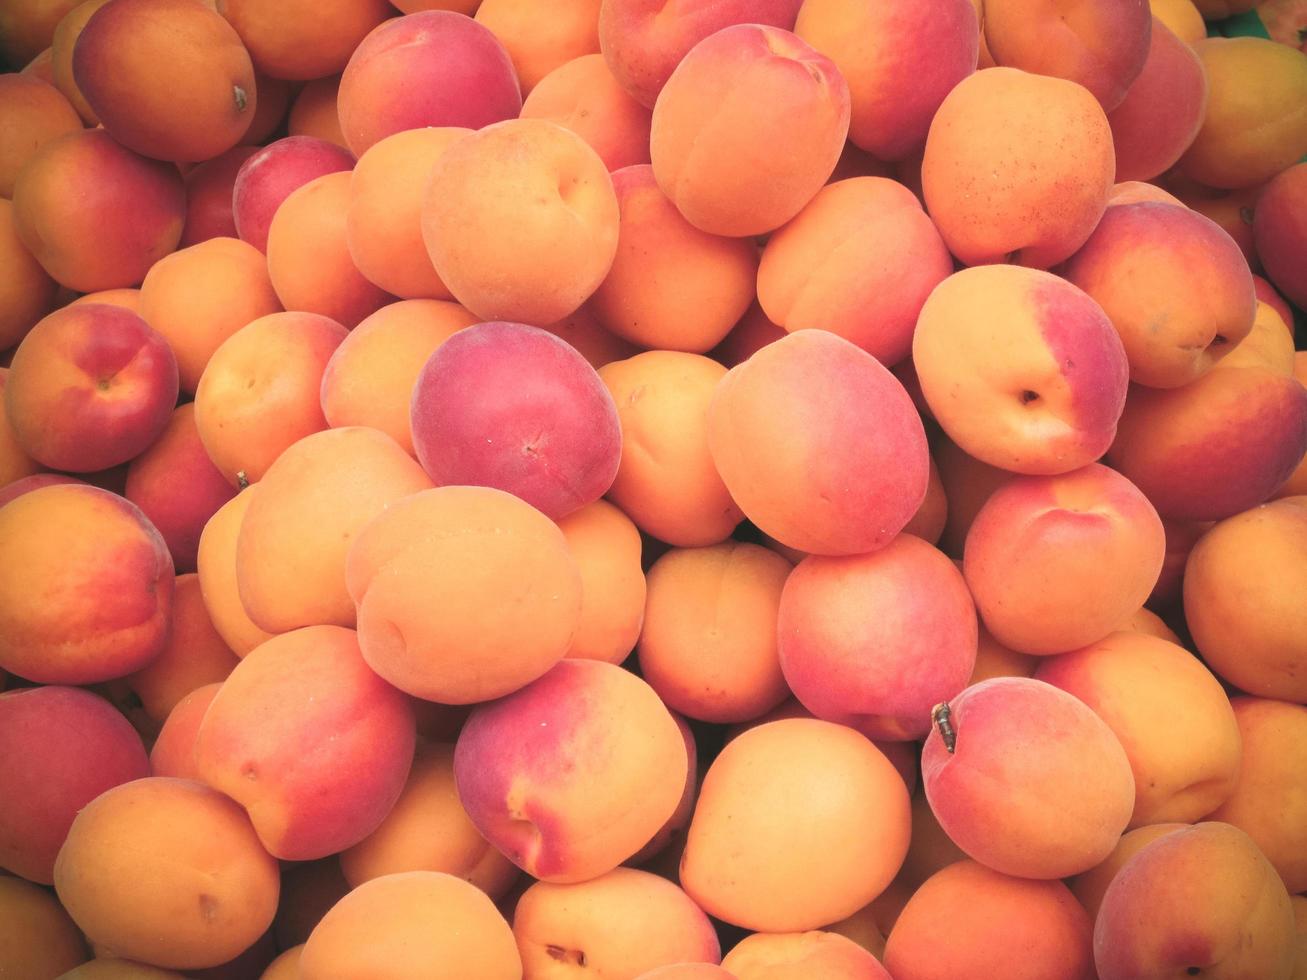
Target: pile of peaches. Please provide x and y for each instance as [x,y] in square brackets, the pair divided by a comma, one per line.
[760,489]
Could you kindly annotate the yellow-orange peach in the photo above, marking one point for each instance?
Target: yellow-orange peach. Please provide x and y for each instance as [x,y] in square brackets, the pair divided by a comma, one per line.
[541,36]
[32,112]
[116,969]
[1146,621]
[173,752]
[929,521]
[688,971]
[16,466]
[1268,345]
[27,293]
[37,939]
[216,565]
[314,113]
[605,545]
[995,660]
[1090,887]
[271,173]
[1182,17]
[776,955]
[967,484]
[1296,485]
[596,344]
[303,39]
[286,966]
[584,96]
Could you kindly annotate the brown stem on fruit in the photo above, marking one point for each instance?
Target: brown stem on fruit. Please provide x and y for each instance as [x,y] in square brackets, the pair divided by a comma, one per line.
[565,955]
[242,481]
[238,94]
[942,718]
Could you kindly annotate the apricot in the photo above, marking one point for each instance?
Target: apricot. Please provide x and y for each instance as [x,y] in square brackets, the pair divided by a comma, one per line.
[1267,293]
[541,36]
[286,966]
[421,924]
[1017,167]
[967,484]
[546,184]
[128,297]
[584,96]
[1280,232]
[775,955]
[799,823]
[1268,345]
[723,178]
[315,113]
[85,586]
[63,43]
[591,340]
[662,852]
[993,659]
[32,113]
[779,430]
[605,545]
[1090,887]
[269,176]
[500,562]
[750,334]
[1182,17]
[37,939]
[930,849]
[173,752]
[27,293]
[970,920]
[260,743]
[209,188]
[95,214]
[303,39]
[216,566]
[560,816]
[688,971]
[1296,485]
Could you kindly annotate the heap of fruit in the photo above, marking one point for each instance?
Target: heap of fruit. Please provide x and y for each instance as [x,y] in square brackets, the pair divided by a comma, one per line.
[614,488]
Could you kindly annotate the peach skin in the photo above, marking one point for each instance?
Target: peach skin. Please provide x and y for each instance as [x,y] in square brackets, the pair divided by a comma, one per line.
[216,564]
[1280,233]
[541,36]
[173,752]
[1090,887]
[818,953]
[27,293]
[37,939]
[209,189]
[303,39]
[32,112]
[271,173]
[605,546]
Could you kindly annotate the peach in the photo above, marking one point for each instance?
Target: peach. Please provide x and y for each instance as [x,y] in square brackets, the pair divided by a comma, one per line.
[433,68]
[260,391]
[1200,900]
[95,214]
[128,297]
[1268,345]
[209,188]
[85,586]
[1090,887]
[499,561]
[967,484]
[1162,110]
[697,667]
[27,293]
[305,689]
[931,517]
[666,480]
[644,40]
[313,502]
[169,79]
[32,113]
[37,939]
[1136,191]
[995,660]
[173,752]
[309,890]
[1148,622]
[661,854]
[429,830]
[1140,264]
[62,747]
[16,466]
[750,334]
[26,27]
[1280,232]
[1036,558]
[513,407]
[622,923]
[1180,539]
[1026,779]
[27,484]
[303,39]
[779,428]
[177,487]
[605,545]
[269,111]
[551,188]
[421,924]
[1215,447]
[1296,485]
[995,924]
[1182,17]
[560,816]
[383,221]
[541,36]
[216,566]
[656,246]
[930,849]
[774,956]
[269,176]
[1017,167]
[1022,369]
[1266,293]
[1231,209]
[799,823]
[584,96]
[62,45]
[900,60]
[858,260]
[199,296]
[1255,125]
[592,341]
[167,871]
[314,112]
[722,178]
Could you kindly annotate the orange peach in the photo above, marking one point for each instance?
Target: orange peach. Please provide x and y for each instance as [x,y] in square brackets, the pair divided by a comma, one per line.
[209,188]
[1148,622]
[1090,887]
[32,113]
[314,112]
[656,246]
[1140,264]
[499,561]
[1182,17]
[930,849]
[560,816]
[858,260]
[37,939]
[688,971]
[95,214]
[1136,191]
[1268,345]
[63,43]
[85,586]
[1201,900]
[261,391]
[1180,539]
[313,502]
[272,173]
[931,517]
[269,114]
[780,427]
[723,178]
[1296,485]
[312,743]
[605,545]
[551,189]
[995,660]
[116,969]
[286,966]
[1233,210]
[541,36]
[968,920]
[967,483]
[27,293]
[699,668]
[1017,167]
[10,491]
[1266,293]
[661,854]
[173,752]
[128,297]
[1280,233]
[216,565]
[592,341]
[1021,369]
[777,955]
[584,96]
[303,39]
[421,925]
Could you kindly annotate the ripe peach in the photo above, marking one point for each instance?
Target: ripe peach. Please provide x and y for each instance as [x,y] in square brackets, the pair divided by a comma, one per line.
[1014,738]
[541,36]
[559,816]
[1280,232]
[1148,622]
[27,484]
[313,502]
[304,690]
[303,39]
[269,176]
[605,545]
[995,660]
[722,178]
[216,565]
[173,752]
[85,586]
[421,924]
[314,112]
[1182,17]
[930,849]
[551,188]
[513,407]
[1268,345]
[286,966]
[1296,485]
[27,293]
[62,45]
[661,854]
[656,246]
[969,920]
[1020,368]
[858,260]
[1266,293]
[779,428]
[270,111]
[32,113]
[1017,167]
[95,214]
[967,484]
[499,561]
[595,344]
[116,969]
[776,955]
[1090,887]
[209,188]
[169,79]
[584,96]
[434,68]
[129,298]
[37,939]
[1136,191]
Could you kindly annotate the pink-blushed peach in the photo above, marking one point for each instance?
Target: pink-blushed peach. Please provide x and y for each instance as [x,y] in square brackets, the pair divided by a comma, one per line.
[270,174]
[173,751]
[209,189]
[1268,345]
[35,481]
[1280,232]
[1090,887]
[817,953]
